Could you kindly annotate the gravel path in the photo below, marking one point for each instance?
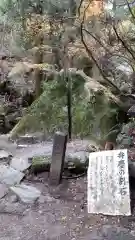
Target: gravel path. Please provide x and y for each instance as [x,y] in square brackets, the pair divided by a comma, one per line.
[43,148]
[60,213]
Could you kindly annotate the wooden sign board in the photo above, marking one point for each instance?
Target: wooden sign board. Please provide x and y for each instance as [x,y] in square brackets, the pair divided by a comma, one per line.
[108,183]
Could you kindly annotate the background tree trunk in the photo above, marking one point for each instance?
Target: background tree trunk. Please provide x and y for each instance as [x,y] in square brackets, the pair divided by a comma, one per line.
[38,74]
[38,58]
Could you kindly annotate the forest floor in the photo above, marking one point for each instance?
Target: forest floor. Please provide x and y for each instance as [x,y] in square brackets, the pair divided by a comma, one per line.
[59,214]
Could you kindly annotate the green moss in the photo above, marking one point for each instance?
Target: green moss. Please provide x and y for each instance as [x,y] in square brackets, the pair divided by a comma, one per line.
[42,163]
[90,116]
[41,160]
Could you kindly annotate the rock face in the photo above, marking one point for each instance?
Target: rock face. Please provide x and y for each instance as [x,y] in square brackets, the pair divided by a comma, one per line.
[13,98]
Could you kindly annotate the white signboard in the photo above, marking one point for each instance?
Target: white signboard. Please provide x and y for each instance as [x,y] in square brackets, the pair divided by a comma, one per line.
[108,183]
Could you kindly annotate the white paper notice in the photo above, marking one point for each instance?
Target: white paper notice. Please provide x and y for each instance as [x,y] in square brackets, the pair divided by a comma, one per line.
[108,183]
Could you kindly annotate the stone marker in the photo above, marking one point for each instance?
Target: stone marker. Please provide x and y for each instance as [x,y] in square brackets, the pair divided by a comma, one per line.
[58,156]
[108,183]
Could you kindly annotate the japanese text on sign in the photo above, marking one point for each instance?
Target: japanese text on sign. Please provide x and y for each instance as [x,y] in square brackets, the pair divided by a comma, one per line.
[108,183]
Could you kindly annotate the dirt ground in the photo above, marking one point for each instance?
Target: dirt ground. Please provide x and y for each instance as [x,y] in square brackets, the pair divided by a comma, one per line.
[60,214]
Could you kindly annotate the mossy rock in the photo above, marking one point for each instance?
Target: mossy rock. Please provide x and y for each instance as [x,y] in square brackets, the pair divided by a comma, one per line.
[40,164]
[78,161]
[48,113]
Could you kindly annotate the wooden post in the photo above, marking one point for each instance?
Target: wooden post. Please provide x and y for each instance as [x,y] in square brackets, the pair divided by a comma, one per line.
[58,156]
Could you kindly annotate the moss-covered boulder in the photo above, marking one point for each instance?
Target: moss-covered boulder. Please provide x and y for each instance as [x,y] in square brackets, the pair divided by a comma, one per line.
[77,161]
[94,107]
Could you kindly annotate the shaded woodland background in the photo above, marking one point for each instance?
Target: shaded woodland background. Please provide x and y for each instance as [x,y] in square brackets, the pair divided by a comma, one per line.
[67,65]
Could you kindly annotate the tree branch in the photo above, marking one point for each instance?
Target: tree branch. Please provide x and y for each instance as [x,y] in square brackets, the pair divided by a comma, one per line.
[91,55]
[79,8]
[130,10]
[96,39]
[123,42]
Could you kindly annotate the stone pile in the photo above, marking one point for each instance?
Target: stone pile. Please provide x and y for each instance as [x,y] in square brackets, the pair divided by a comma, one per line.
[12,172]
[28,154]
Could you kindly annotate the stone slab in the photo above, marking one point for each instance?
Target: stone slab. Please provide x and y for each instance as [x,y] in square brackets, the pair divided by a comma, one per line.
[9,175]
[27,194]
[20,164]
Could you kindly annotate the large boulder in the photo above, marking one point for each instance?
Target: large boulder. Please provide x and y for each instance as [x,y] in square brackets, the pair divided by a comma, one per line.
[94,108]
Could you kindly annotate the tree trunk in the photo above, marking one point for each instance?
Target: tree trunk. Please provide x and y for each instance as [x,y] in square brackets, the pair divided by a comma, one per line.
[69,108]
[38,58]
[133,83]
[38,74]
